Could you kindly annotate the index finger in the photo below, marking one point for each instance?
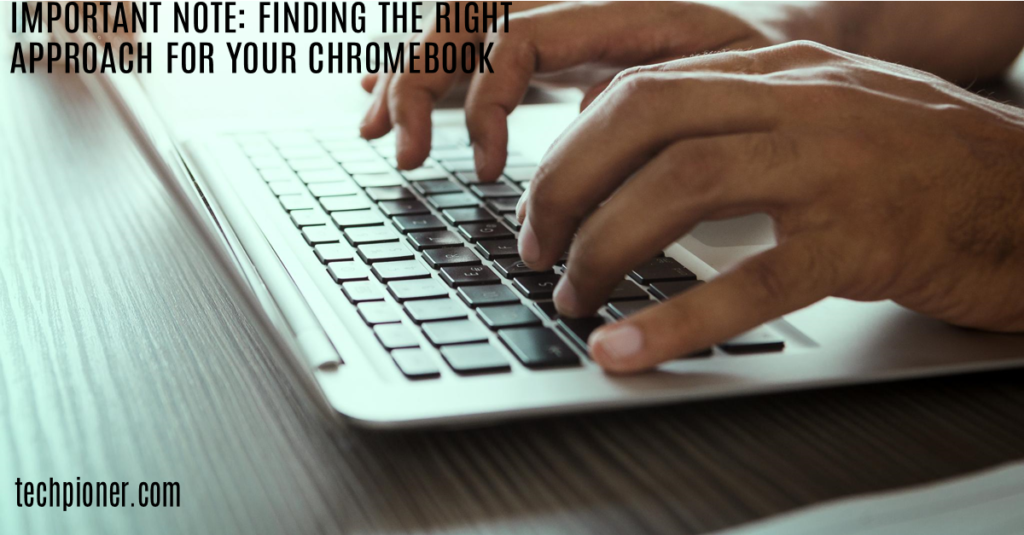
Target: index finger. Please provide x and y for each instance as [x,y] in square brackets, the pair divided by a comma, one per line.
[639,116]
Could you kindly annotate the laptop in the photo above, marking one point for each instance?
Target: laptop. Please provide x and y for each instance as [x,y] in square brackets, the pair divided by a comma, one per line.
[399,298]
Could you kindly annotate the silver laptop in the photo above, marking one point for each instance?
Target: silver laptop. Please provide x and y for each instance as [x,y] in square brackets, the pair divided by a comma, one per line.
[400,298]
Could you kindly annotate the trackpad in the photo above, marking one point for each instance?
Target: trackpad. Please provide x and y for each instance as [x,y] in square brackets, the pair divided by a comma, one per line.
[751,230]
[721,244]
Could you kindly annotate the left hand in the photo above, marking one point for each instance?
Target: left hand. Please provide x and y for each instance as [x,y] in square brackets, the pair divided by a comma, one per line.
[884,182]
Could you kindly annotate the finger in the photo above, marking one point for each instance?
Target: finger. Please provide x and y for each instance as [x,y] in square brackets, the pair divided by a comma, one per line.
[377,120]
[690,181]
[791,276]
[368,82]
[592,93]
[560,37]
[632,121]
[411,97]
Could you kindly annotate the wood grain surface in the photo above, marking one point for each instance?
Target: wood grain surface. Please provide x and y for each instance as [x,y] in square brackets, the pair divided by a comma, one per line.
[122,359]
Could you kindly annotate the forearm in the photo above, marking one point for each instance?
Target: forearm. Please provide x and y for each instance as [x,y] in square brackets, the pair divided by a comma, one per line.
[960,41]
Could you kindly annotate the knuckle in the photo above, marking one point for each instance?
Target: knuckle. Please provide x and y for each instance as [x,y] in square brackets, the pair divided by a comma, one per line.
[400,86]
[543,199]
[634,94]
[698,166]
[632,78]
[835,74]
[809,49]
[772,151]
[769,281]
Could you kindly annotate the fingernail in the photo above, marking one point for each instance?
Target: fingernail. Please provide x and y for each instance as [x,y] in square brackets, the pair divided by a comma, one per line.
[402,143]
[566,298]
[521,205]
[619,342]
[529,249]
[480,157]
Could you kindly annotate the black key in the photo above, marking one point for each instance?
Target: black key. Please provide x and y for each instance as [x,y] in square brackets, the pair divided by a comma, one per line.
[505,316]
[378,234]
[432,174]
[361,292]
[320,234]
[414,223]
[407,207]
[393,193]
[580,329]
[627,308]
[415,363]
[464,173]
[308,218]
[494,249]
[450,256]
[495,191]
[360,218]
[334,252]
[668,289]
[468,275]
[409,290]
[661,269]
[434,239]
[345,204]
[435,310]
[627,291]
[347,271]
[538,347]
[548,309]
[453,200]
[434,187]
[504,206]
[396,336]
[401,270]
[444,333]
[377,312]
[475,358]
[512,268]
[384,252]
[512,222]
[475,232]
[461,216]
[539,287]
[756,340]
[492,294]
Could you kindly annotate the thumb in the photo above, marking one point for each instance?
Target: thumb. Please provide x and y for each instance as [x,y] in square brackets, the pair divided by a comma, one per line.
[776,282]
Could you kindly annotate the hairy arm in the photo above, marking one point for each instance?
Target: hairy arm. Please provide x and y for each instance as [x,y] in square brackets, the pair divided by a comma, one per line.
[960,41]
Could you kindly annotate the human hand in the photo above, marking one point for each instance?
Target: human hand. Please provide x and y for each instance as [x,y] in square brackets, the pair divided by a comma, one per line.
[548,39]
[883,182]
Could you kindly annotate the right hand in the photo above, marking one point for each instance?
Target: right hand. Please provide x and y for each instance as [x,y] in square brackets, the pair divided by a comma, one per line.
[550,39]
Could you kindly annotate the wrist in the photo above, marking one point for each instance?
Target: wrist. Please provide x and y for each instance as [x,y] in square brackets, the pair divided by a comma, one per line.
[840,25]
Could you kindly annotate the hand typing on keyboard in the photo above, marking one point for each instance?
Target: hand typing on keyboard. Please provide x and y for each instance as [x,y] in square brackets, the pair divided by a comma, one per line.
[884,183]
[544,39]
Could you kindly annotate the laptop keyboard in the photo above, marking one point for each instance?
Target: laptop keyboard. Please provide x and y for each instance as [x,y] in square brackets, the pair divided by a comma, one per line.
[430,254]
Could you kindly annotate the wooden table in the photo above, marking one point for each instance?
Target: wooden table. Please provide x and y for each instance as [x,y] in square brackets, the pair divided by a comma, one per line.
[121,359]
